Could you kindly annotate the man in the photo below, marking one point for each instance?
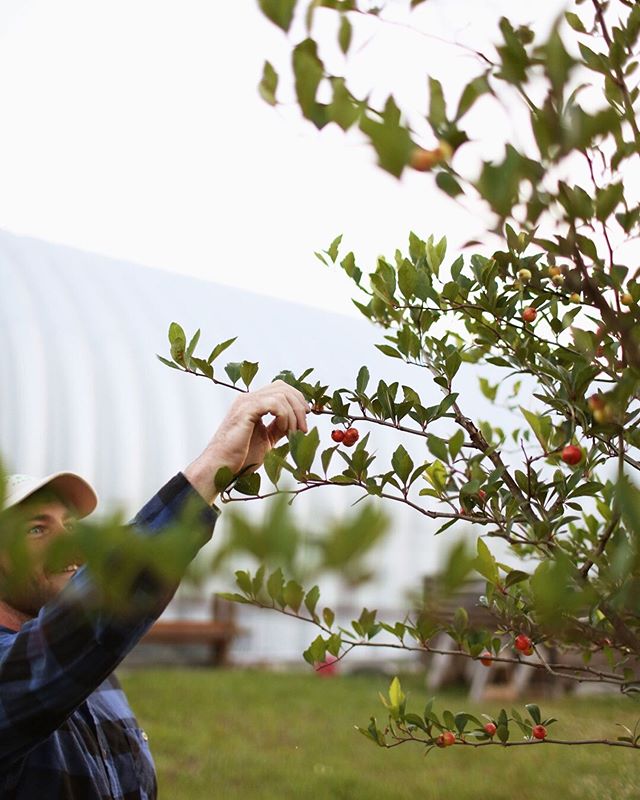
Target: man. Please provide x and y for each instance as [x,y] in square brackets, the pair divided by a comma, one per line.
[66,729]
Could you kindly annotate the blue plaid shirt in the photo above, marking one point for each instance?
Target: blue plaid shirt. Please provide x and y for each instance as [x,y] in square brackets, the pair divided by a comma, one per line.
[66,728]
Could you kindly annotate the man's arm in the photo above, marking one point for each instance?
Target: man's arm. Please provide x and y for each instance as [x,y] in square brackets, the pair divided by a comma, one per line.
[50,666]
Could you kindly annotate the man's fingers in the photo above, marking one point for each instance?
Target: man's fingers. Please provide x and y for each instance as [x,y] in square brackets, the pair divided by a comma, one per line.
[284,402]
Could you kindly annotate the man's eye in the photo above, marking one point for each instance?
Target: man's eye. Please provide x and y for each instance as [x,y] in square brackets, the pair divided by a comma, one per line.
[37,530]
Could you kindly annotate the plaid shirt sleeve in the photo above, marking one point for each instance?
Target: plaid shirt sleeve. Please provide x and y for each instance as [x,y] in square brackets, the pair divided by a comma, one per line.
[55,661]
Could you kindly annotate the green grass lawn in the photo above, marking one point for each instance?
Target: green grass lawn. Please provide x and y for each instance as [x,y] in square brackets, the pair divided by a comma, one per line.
[253,734]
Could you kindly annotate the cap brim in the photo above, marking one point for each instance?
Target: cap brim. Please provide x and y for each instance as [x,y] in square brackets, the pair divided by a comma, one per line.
[73,490]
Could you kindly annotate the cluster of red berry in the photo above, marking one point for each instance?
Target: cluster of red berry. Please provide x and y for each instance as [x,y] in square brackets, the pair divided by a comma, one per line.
[447,738]
[348,437]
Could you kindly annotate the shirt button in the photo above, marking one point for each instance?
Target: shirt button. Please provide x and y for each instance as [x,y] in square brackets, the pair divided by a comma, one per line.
[144,736]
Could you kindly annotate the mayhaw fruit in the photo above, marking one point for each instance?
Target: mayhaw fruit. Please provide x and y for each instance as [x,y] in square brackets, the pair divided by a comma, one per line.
[524,275]
[486,659]
[524,644]
[572,455]
[557,280]
[490,728]
[446,739]
[553,271]
[603,415]
[539,732]
[575,298]
[596,401]
[425,160]
[337,435]
[351,436]
[626,299]
[529,314]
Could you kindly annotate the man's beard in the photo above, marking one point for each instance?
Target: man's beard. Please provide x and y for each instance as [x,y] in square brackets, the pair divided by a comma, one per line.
[29,596]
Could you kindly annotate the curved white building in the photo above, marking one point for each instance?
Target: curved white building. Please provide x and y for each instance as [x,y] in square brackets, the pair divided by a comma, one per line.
[81,389]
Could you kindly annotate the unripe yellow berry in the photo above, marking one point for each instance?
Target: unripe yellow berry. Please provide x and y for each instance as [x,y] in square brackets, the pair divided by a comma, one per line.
[575,298]
[558,280]
[626,299]
[524,275]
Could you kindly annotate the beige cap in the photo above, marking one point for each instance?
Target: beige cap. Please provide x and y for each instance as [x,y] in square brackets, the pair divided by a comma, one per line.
[71,488]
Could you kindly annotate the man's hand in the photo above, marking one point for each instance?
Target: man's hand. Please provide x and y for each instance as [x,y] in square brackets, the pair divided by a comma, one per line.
[243,440]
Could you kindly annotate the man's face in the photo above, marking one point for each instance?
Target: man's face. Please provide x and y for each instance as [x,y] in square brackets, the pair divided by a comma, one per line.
[47,518]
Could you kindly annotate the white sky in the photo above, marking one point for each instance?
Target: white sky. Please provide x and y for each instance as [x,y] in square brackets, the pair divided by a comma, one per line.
[134,129]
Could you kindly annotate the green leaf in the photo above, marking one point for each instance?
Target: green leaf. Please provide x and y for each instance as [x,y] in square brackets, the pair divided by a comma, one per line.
[178,343]
[437,109]
[389,351]
[488,390]
[248,484]
[248,371]
[575,22]
[448,184]
[168,363]
[534,713]
[308,71]
[280,12]
[328,616]
[485,563]
[502,733]
[396,695]
[303,448]
[594,61]
[258,580]
[274,462]
[438,447]
[344,34]
[472,91]
[233,597]
[244,581]
[334,248]
[402,464]
[607,199]
[362,380]
[456,442]
[311,600]
[192,345]
[407,279]
[292,595]
[223,478]
[343,109]
[515,576]
[390,139]
[177,335]
[275,586]
[268,84]
[220,348]
[233,371]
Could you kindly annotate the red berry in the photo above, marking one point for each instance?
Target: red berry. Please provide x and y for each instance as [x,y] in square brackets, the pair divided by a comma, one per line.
[523,644]
[337,435]
[482,495]
[486,659]
[490,728]
[351,436]
[529,314]
[446,739]
[539,732]
[596,402]
[572,455]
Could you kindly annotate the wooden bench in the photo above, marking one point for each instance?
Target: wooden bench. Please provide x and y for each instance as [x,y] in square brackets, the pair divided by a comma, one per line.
[217,633]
